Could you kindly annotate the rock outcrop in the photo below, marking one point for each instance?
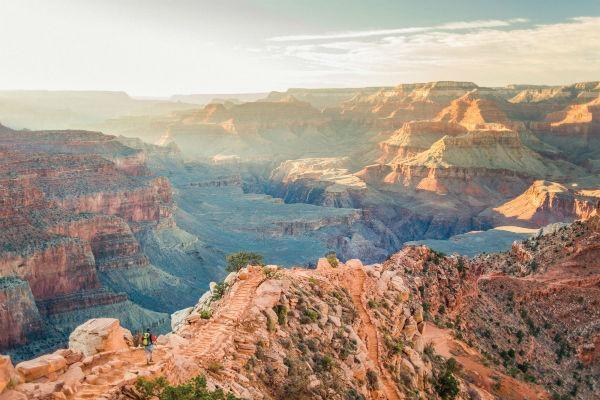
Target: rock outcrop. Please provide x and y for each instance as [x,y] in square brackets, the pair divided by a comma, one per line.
[545,203]
[19,316]
[99,335]
[8,374]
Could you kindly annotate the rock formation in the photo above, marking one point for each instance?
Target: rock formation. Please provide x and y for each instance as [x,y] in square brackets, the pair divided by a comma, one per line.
[545,203]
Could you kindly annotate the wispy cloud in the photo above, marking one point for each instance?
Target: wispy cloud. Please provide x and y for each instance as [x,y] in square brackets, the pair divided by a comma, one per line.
[502,52]
[480,24]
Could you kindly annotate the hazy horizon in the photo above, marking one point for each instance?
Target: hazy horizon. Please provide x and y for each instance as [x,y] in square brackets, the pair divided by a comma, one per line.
[159,48]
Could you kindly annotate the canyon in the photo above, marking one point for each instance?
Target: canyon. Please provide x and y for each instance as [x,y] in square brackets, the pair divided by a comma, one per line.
[73,206]
[421,324]
[129,211]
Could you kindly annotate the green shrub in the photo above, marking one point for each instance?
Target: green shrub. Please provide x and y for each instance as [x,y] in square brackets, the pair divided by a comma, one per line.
[311,315]
[429,351]
[295,386]
[352,394]
[397,347]
[332,259]
[282,312]
[445,383]
[460,266]
[194,389]
[271,324]
[205,314]
[372,379]
[239,260]
[214,366]
[520,336]
[219,291]
[324,363]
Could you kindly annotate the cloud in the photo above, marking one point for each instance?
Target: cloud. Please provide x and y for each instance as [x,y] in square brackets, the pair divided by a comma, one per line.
[561,52]
[493,23]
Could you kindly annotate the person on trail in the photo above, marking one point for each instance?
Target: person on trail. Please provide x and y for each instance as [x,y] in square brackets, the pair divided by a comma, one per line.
[148,340]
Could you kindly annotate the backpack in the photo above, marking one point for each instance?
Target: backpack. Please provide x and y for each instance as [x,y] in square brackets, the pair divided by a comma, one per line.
[146,339]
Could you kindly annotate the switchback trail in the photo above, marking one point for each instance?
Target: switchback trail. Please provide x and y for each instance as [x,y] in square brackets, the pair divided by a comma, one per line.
[207,343]
[355,283]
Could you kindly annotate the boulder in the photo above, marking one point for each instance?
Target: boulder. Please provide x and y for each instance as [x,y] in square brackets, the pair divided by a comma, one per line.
[71,356]
[384,280]
[8,375]
[410,328]
[13,395]
[418,315]
[415,359]
[99,335]
[44,366]
[243,274]
[271,268]
[230,278]
[178,318]
[204,302]
[323,264]
[418,343]
[354,263]
[268,294]
[397,283]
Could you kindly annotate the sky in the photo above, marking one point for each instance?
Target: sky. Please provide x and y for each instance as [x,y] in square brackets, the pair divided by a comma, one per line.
[164,47]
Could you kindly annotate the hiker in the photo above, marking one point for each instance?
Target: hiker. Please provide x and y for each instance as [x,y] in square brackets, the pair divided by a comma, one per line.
[148,342]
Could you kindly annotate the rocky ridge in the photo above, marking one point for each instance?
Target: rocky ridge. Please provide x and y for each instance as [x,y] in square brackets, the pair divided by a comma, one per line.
[336,331]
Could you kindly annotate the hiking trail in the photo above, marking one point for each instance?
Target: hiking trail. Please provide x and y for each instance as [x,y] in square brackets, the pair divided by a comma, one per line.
[355,283]
[207,343]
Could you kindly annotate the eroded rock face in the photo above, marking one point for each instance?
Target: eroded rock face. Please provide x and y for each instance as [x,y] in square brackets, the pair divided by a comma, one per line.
[72,202]
[337,331]
[48,365]
[545,203]
[99,335]
[19,316]
[8,374]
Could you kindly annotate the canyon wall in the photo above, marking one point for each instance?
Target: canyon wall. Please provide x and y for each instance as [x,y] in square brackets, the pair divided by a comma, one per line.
[72,204]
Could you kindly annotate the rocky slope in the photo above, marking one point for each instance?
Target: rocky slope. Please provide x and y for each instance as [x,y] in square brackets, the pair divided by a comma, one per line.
[530,311]
[517,325]
[382,331]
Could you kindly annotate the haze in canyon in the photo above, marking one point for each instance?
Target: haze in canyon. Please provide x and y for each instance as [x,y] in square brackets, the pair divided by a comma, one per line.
[349,200]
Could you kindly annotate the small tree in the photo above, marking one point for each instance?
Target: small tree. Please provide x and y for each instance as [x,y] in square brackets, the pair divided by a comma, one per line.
[445,383]
[239,260]
[332,259]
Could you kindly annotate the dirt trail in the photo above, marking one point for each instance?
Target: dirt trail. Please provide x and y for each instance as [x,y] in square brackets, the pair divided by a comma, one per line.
[207,342]
[493,382]
[355,283]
